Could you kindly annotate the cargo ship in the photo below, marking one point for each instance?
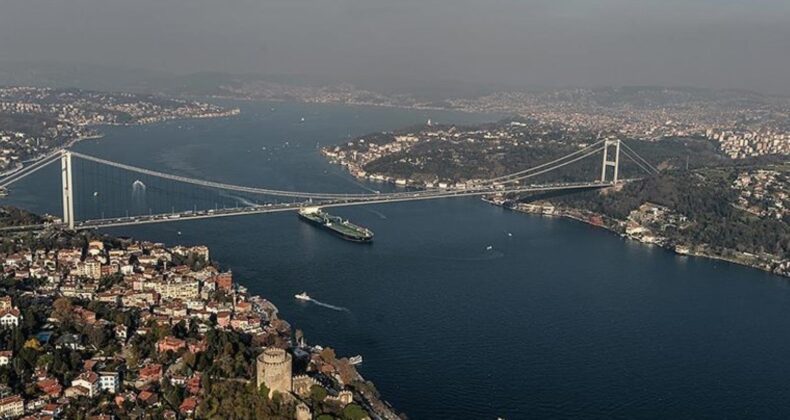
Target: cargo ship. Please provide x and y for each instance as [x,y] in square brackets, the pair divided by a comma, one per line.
[336,225]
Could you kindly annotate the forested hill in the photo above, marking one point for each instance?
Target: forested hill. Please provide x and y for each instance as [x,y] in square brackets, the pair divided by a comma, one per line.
[12,216]
[742,209]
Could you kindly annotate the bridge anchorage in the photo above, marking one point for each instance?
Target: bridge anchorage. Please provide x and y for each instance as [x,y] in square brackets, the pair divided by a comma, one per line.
[186,192]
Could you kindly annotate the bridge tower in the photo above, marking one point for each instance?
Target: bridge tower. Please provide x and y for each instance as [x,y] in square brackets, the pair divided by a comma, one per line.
[610,163]
[67,188]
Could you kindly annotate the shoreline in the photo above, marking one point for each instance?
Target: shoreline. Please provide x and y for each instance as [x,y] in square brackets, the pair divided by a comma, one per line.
[679,250]
[348,103]
[99,135]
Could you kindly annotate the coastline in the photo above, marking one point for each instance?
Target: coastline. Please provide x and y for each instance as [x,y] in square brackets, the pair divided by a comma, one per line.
[99,135]
[770,263]
[349,103]
[688,250]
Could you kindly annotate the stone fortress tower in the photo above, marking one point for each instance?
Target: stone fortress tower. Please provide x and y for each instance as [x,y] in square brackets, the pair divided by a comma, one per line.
[274,370]
[303,412]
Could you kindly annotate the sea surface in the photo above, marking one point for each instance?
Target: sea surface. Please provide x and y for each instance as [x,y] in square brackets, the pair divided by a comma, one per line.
[556,320]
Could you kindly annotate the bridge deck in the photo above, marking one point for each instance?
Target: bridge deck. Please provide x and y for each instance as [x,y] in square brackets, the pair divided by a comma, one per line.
[275,208]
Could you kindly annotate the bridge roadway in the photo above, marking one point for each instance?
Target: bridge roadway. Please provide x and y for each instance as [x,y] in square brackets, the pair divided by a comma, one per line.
[276,208]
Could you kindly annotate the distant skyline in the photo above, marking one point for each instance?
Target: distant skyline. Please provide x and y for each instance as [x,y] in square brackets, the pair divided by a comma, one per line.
[723,44]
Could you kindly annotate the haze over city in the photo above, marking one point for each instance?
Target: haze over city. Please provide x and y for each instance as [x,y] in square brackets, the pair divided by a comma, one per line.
[726,44]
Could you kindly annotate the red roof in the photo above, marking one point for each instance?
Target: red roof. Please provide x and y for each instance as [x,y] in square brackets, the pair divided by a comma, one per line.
[50,386]
[189,405]
[10,400]
[151,371]
[146,395]
[90,377]
[14,311]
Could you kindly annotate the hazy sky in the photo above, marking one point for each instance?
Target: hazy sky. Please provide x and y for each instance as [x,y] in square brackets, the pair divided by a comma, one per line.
[711,43]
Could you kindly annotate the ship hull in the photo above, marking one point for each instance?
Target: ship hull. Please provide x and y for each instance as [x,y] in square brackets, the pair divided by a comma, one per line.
[342,235]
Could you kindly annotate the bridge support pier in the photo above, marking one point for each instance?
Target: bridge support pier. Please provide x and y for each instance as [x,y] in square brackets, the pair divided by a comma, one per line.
[610,163]
[68,189]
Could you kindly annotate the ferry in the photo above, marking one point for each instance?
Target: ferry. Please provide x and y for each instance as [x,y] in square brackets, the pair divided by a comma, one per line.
[302,296]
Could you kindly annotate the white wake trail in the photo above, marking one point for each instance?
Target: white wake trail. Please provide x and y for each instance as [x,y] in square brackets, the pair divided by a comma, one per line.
[326,305]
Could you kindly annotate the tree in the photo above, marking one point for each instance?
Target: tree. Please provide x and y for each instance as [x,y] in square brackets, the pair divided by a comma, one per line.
[263,391]
[194,328]
[180,329]
[45,360]
[354,412]
[317,393]
[328,354]
[99,337]
[63,310]
[346,371]
[33,344]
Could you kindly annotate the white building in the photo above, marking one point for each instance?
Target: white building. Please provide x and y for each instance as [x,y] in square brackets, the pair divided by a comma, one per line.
[10,318]
[109,381]
[13,406]
[5,357]
[89,381]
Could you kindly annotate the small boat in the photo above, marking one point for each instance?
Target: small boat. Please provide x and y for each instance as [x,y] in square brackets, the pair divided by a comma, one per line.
[509,234]
[355,360]
[95,193]
[490,247]
[302,296]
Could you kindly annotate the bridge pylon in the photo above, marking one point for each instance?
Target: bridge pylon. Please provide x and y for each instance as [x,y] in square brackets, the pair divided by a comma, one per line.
[67,189]
[610,163]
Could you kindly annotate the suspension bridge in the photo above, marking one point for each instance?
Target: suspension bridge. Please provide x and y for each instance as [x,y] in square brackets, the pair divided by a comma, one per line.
[134,208]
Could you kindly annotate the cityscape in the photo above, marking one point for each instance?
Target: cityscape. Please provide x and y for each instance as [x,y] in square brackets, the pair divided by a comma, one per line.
[390,211]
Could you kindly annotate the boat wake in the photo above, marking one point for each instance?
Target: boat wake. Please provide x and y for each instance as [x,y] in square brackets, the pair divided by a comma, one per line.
[328,306]
[377,213]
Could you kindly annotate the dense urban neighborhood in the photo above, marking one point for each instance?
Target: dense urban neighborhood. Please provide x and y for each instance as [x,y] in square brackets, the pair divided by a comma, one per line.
[743,123]
[35,121]
[101,327]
